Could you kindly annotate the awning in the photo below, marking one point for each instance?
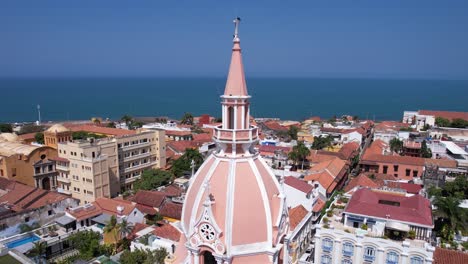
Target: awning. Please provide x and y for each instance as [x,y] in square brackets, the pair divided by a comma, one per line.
[397,226]
[102,219]
[454,148]
[64,220]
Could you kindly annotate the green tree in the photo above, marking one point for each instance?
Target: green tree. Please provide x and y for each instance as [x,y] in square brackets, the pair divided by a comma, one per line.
[459,123]
[6,128]
[110,225]
[111,124]
[127,119]
[425,151]
[151,179]
[183,164]
[39,137]
[292,132]
[38,252]
[139,256]
[31,128]
[322,142]
[187,119]
[84,135]
[87,243]
[449,209]
[442,122]
[396,145]
[124,228]
[299,153]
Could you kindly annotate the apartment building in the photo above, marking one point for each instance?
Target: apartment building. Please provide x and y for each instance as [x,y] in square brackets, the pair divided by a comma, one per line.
[139,152]
[90,169]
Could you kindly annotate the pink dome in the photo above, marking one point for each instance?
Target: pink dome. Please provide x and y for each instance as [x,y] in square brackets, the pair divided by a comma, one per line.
[234,209]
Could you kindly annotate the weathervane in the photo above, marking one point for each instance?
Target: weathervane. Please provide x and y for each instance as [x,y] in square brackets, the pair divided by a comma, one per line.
[236,27]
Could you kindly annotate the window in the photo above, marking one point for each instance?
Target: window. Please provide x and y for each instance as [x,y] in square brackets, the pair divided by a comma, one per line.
[346,261]
[385,169]
[26,219]
[369,254]
[395,168]
[1,172]
[327,244]
[37,170]
[415,173]
[326,259]
[408,172]
[49,212]
[13,172]
[392,257]
[416,260]
[348,249]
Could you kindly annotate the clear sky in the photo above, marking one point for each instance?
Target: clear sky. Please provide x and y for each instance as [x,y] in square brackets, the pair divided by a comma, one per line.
[311,38]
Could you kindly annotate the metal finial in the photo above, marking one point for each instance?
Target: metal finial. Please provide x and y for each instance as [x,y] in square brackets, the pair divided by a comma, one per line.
[236,27]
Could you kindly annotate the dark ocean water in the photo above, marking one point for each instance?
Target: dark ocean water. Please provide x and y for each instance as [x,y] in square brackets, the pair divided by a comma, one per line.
[71,99]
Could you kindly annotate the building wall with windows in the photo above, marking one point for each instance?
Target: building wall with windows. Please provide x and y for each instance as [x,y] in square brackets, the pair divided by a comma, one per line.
[92,169]
[139,152]
[338,246]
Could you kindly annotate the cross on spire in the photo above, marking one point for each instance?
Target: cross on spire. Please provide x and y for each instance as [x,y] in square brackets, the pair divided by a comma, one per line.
[236,27]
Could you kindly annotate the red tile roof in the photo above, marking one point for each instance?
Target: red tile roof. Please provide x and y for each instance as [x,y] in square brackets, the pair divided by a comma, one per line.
[84,212]
[23,197]
[27,136]
[136,228]
[171,210]
[445,114]
[181,145]
[102,130]
[109,206]
[298,184]
[363,181]
[411,187]
[391,125]
[167,231]
[447,256]
[172,191]
[149,198]
[202,138]
[178,133]
[349,150]
[327,173]
[318,206]
[273,125]
[442,163]
[270,150]
[415,209]
[146,209]
[296,215]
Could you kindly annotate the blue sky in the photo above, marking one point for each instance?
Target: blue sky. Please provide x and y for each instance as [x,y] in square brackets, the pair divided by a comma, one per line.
[366,38]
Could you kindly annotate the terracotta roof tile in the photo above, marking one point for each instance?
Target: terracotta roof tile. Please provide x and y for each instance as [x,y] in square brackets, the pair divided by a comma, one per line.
[181,145]
[146,209]
[445,114]
[109,206]
[296,215]
[363,181]
[102,130]
[443,163]
[414,209]
[298,184]
[149,198]
[447,256]
[318,206]
[171,210]
[167,231]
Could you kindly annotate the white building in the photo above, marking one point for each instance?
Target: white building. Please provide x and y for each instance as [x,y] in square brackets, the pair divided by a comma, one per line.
[417,120]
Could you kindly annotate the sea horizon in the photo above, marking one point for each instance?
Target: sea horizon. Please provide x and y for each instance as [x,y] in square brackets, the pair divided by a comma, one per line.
[290,98]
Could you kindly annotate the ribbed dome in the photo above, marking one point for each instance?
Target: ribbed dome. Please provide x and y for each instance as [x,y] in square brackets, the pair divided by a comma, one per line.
[57,128]
[10,137]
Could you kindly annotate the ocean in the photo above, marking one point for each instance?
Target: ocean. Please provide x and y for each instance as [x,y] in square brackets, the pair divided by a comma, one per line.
[285,98]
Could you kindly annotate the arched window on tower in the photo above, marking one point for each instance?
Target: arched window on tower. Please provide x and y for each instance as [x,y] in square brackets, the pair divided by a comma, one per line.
[230,117]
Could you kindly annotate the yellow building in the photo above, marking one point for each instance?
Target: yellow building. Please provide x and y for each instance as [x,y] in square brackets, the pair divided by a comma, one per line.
[17,159]
[57,134]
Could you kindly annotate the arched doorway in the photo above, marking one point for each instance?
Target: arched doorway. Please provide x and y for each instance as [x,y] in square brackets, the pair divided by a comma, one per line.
[46,183]
[208,258]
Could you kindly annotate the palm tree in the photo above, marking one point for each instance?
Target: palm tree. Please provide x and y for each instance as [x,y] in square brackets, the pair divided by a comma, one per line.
[187,119]
[110,225]
[448,208]
[124,228]
[126,119]
[38,252]
[299,152]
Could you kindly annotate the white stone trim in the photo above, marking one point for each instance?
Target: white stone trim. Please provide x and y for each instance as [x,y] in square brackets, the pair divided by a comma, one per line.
[199,197]
[230,205]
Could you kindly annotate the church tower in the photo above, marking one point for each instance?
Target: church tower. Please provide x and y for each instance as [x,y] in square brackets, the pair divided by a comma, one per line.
[234,209]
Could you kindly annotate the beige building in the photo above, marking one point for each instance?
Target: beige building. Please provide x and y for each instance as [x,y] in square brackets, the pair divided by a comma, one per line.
[89,169]
[57,134]
[17,159]
[139,152]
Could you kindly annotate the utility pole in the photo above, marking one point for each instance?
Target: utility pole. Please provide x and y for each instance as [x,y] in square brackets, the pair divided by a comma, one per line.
[39,113]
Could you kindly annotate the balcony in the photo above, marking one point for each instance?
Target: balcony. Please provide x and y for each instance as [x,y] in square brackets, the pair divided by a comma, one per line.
[139,156]
[62,168]
[141,166]
[135,146]
[236,136]
[62,179]
[369,258]
[347,253]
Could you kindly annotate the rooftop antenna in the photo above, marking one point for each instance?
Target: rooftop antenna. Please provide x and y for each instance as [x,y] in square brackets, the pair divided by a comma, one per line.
[39,113]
